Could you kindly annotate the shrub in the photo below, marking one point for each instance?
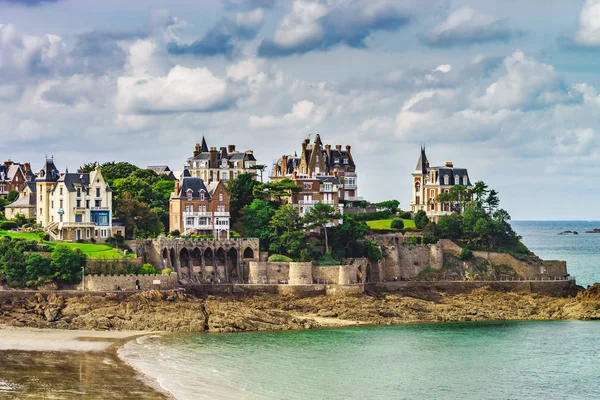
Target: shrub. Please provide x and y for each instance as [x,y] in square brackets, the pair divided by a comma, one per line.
[8,225]
[166,271]
[413,240]
[147,269]
[405,214]
[80,241]
[397,224]
[327,259]
[279,258]
[465,254]
[92,240]
[175,233]
[421,219]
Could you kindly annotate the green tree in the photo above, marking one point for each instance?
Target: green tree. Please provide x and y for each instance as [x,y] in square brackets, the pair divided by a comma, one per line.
[12,263]
[346,239]
[66,264]
[87,168]
[287,236]
[390,205]
[12,196]
[261,168]
[421,219]
[256,218]
[137,187]
[319,216]
[397,224]
[140,219]
[472,214]
[147,269]
[276,191]
[117,170]
[20,219]
[240,191]
[478,192]
[449,226]
[492,201]
[37,266]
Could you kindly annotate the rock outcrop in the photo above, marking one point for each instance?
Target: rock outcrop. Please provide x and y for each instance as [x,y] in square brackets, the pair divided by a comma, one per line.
[179,312]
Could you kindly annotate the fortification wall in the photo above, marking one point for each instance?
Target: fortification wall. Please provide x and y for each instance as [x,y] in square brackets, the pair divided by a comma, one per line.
[301,273]
[268,272]
[99,283]
[329,274]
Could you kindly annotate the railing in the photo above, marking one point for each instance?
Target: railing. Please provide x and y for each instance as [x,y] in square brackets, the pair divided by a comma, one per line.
[328,190]
[350,186]
[79,208]
[199,227]
[99,208]
[197,214]
[84,224]
[221,214]
[355,198]
[313,202]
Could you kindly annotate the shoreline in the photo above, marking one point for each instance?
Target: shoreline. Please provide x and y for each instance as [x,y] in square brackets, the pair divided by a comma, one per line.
[43,351]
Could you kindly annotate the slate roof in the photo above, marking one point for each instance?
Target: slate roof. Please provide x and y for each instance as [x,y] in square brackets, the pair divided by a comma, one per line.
[74,180]
[49,172]
[195,184]
[28,201]
[332,179]
[452,174]
[422,162]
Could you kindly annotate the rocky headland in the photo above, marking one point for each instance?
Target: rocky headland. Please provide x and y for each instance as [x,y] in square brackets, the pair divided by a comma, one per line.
[173,311]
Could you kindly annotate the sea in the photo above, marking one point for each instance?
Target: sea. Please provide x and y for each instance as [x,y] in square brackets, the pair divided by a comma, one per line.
[471,360]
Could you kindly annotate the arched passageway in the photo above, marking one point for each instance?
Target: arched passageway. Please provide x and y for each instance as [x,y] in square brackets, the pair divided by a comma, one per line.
[248,253]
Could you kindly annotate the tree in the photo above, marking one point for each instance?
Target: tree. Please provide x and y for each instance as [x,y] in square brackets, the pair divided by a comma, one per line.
[12,263]
[478,192]
[261,168]
[115,170]
[397,224]
[345,239]
[87,168]
[276,191]
[12,196]
[472,214]
[421,219]
[449,226]
[20,219]
[319,216]
[66,264]
[141,220]
[139,188]
[240,191]
[256,218]
[287,236]
[492,201]
[390,205]
[37,266]
[147,269]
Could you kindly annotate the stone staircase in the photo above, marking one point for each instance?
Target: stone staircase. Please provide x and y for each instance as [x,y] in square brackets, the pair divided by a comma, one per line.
[51,230]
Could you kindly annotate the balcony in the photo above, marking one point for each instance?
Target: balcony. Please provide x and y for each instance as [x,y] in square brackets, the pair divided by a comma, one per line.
[77,224]
[313,202]
[203,214]
[100,208]
[355,198]
[221,214]
[79,209]
[350,186]
[328,190]
[205,227]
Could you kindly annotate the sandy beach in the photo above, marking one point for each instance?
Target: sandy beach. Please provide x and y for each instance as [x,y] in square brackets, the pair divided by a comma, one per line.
[64,364]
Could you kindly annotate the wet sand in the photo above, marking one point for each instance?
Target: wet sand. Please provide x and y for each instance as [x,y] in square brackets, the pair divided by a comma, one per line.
[59,364]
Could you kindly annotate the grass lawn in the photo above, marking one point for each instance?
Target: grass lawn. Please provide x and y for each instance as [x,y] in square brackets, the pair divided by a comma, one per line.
[89,249]
[385,224]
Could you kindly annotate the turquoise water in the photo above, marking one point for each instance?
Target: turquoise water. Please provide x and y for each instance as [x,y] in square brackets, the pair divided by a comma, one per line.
[500,360]
[582,252]
[516,360]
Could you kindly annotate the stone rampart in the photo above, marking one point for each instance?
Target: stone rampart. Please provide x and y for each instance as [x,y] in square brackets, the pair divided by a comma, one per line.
[268,272]
[301,273]
[103,283]
[329,274]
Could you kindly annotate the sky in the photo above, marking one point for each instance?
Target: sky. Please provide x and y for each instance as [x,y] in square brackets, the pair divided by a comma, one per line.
[508,89]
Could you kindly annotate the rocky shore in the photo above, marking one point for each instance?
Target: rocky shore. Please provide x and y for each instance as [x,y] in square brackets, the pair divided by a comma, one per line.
[172,311]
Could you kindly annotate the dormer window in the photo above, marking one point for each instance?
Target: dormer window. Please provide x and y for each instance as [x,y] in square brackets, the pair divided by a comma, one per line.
[465,181]
[220,196]
[327,187]
[457,180]
[189,194]
[446,180]
[345,161]
[202,195]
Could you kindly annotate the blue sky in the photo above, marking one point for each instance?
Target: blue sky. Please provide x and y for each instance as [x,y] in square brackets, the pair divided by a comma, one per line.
[507,89]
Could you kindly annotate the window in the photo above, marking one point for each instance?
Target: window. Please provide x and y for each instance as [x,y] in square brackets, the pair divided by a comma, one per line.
[345,161]
[432,193]
[202,208]
[78,204]
[189,221]
[307,186]
[189,195]
[220,208]
[418,187]
[446,180]
[317,158]
[87,233]
[201,196]
[203,221]
[225,176]
[337,160]
[87,191]
[78,192]
[220,196]
[60,202]
[96,232]
[327,187]
[189,208]
[87,204]
[61,191]
[457,180]
[98,203]
[465,181]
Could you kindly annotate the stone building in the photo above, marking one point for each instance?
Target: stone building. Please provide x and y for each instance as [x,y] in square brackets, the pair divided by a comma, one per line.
[13,176]
[429,182]
[196,208]
[74,206]
[316,189]
[214,165]
[317,159]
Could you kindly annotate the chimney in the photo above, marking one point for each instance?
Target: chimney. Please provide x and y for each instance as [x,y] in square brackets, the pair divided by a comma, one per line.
[338,147]
[213,158]
[304,144]
[348,147]
[7,163]
[197,149]
[449,164]
[284,161]
[177,188]
[249,152]
[427,164]
[27,167]
[294,175]
[231,148]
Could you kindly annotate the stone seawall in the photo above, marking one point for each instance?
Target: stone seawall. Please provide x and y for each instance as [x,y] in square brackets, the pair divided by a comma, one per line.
[101,283]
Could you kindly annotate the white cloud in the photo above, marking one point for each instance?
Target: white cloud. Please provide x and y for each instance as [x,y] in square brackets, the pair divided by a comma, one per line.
[467,25]
[304,113]
[588,33]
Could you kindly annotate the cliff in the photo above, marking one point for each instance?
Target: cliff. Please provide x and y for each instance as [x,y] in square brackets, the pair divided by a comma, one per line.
[178,312]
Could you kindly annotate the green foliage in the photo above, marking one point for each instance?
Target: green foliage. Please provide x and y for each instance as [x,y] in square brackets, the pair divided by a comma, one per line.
[12,196]
[140,219]
[465,254]
[8,225]
[404,214]
[147,269]
[66,264]
[12,264]
[37,266]
[175,233]
[413,240]
[3,203]
[327,259]
[373,216]
[241,193]
[345,239]
[421,219]
[372,251]
[318,217]
[397,224]
[117,241]
[429,274]
[275,191]
[449,226]
[391,206]
[116,170]
[166,271]
[20,219]
[256,218]
[279,258]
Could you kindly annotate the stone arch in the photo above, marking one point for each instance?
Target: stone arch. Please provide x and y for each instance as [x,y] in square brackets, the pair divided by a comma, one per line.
[184,260]
[220,257]
[248,253]
[164,258]
[233,267]
[173,259]
[208,257]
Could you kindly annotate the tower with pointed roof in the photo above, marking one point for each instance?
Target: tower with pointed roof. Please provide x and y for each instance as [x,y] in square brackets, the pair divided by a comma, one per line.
[224,164]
